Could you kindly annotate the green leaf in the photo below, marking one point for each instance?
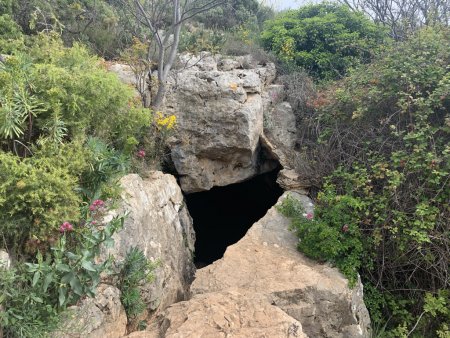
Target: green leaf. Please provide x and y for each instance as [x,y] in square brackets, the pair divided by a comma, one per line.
[63,267]
[72,256]
[76,286]
[36,277]
[36,299]
[87,265]
[67,277]
[62,295]
[48,279]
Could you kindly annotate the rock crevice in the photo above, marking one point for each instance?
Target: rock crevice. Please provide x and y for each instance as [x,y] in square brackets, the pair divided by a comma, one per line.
[263,287]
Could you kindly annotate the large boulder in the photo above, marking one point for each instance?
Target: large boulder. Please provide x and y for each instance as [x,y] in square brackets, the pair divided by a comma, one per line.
[159,224]
[263,287]
[220,119]
[232,121]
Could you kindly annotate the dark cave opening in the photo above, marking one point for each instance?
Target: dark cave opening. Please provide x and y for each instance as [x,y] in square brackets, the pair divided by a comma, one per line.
[223,215]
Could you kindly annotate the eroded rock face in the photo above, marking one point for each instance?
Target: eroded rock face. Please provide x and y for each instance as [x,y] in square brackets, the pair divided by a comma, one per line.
[158,223]
[263,287]
[102,316]
[220,118]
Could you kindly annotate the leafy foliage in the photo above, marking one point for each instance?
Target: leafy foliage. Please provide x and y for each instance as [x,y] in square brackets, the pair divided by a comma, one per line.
[235,13]
[386,127]
[325,39]
[135,270]
[36,193]
[35,293]
[55,93]
[332,234]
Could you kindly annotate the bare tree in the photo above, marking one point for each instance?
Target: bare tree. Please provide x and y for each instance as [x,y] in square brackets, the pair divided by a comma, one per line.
[164,19]
[403,16]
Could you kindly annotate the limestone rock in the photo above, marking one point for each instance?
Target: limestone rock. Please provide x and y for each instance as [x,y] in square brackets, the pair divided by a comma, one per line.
[126,75]
[219,109]
[230,313]
[5,264]
[102,316]
[5,261]
[226,109]
[263,287]
[280,132]
[160,225]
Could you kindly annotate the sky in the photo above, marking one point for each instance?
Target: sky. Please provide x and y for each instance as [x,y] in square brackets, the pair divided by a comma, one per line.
[286,4]
[283,4]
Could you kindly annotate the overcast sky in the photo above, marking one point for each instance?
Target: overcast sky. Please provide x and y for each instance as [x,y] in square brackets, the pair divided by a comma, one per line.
[285,4]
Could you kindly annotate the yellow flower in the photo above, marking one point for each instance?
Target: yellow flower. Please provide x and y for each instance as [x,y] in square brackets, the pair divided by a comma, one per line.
[167,123]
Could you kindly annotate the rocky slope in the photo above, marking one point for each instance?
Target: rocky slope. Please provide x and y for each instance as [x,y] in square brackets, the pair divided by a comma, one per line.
[263,287]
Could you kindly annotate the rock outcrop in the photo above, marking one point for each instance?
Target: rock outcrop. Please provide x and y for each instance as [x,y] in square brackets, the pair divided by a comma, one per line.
[263,287]
[102,316]
[220,104]
[159,224]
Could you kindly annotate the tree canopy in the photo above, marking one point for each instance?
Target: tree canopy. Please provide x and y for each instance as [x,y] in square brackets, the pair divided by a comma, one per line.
[325,39]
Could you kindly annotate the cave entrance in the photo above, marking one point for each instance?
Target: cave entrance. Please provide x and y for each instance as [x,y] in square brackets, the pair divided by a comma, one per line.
[222,215]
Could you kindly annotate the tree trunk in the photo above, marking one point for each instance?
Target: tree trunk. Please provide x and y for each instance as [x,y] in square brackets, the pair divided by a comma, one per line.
[160,94]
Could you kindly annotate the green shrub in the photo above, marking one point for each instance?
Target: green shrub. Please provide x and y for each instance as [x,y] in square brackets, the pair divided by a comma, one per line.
[331,234]
[106,165]
[325,39]
[198,40]
[135,270]
[387,129]
[34,294]
[37,193]
[11,38]
[65,92]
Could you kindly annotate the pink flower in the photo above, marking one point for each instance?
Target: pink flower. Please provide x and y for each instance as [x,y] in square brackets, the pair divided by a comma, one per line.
[141,153]
[66,227]
[345,228]
[98,203]
[94,222]
[309,215]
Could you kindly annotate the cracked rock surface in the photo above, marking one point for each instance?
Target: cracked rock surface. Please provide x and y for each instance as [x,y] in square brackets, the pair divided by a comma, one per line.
[159,224]
[219,105]
[263,287]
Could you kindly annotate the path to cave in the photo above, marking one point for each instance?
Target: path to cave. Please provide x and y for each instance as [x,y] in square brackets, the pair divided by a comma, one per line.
[223,215]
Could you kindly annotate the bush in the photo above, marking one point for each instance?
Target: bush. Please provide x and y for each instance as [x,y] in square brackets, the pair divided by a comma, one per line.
[99,24]
[53,99]
[387,128]
[135,270]
[34,294]
[331,234]
[36,193]
[56,93]
[325,39]
[234,13]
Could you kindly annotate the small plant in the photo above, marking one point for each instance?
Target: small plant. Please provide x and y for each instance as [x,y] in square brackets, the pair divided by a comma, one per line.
[153,150]
[331,234]
[135,270]
[35,293]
